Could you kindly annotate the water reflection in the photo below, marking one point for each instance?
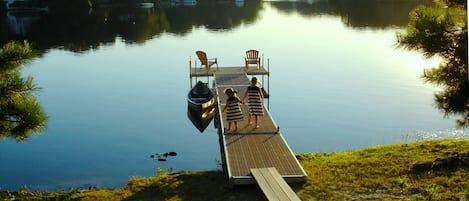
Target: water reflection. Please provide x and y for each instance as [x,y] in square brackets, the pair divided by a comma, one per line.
[369,14]
[81,28]
[21,21]
[434,135]
[84,28]
[200,120]
[184,2]
[117,105]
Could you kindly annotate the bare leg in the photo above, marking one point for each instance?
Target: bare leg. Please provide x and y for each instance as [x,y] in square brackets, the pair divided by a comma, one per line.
[229,125]
[249,119]
[257,121]
[236,126]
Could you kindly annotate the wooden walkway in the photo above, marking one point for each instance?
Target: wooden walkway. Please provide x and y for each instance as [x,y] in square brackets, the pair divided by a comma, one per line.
[273,186]
[251,147]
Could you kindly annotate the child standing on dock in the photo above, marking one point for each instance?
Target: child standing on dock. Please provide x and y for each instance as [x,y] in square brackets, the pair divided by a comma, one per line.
[233,109]
[255,98]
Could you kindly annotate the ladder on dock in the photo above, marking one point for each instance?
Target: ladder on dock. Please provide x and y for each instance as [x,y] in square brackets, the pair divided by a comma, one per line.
[273,185]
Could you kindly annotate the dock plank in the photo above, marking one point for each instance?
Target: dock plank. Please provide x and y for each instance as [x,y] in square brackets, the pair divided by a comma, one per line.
[273,185]
[258,151]
[270,191]
[283,185]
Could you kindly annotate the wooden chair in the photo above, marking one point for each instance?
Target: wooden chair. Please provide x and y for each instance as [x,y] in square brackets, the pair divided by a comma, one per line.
[252,57]
[204,61]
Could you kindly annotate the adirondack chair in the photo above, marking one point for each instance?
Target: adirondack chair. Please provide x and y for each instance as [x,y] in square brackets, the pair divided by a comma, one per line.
[252,57]
[204,61]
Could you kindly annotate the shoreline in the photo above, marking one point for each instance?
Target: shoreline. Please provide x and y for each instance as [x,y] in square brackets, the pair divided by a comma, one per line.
[405,171]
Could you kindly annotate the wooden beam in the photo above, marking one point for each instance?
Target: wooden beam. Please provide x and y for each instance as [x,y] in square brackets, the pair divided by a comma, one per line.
[273,185]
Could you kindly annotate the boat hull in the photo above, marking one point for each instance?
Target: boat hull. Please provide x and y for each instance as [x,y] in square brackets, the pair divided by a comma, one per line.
[200,98]
[200,105]
[200,120]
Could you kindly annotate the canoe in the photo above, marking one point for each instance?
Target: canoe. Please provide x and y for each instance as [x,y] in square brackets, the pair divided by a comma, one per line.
[201,105]
[200,98]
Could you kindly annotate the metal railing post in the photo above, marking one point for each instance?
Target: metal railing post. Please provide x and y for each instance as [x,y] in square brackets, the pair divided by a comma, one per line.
[190,71]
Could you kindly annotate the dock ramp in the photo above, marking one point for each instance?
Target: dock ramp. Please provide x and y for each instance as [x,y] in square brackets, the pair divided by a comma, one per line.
[275,188]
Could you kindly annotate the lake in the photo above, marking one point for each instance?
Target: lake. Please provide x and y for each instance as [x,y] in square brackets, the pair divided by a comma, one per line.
[114,84]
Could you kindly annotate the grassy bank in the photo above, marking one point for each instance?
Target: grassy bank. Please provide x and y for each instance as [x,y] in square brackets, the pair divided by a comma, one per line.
[431,170]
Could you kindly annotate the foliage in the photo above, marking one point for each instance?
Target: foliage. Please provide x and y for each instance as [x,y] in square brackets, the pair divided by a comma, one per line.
[442,31]
[13,55]
[20,113]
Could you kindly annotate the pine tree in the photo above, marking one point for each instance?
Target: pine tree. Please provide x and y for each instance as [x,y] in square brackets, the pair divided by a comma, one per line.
[442,31]
[20,113]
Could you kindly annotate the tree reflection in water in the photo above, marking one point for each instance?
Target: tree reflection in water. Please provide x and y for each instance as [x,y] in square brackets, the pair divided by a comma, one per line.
[81,27]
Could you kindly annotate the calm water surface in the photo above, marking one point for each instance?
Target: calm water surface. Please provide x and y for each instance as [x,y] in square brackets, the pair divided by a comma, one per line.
[337,83]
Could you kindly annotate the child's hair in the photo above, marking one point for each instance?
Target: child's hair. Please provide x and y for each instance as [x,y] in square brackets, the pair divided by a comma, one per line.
[254,79]
[229,91]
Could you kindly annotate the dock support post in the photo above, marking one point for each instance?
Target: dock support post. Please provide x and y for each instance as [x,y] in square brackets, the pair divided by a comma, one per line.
[262,63]
[268,82]
[268,75]
[190,72]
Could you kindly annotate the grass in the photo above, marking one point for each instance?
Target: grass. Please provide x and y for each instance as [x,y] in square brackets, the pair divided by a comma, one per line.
[375,173]
[386,173]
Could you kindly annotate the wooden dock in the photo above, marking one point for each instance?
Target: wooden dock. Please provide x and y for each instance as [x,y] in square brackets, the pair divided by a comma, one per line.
[252,155]
[202,71]
[251,147]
